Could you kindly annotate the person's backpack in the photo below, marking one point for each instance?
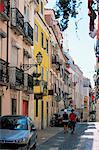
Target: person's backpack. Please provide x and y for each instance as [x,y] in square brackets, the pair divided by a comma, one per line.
[72,117]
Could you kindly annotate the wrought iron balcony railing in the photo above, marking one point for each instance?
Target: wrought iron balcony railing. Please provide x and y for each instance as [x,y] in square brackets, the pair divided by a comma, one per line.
[28,33]
[17,21]
[55,59]
[56,62]
[28,83]
[50,92]
[3,72]
[5,10]
[16,78]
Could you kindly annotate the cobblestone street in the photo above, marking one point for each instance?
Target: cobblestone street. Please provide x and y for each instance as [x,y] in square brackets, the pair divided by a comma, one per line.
[86,137]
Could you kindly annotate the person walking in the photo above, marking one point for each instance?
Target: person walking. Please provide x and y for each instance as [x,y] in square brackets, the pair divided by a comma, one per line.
[72,119]
[65,121]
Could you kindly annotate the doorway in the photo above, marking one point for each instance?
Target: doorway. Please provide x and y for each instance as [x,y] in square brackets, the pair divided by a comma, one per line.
[47,113]
[25,108]
[42,114]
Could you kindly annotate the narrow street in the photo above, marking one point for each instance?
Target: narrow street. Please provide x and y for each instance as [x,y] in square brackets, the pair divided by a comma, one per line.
[86,137]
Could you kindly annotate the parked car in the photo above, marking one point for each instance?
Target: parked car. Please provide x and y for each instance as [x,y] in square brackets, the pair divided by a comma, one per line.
[17,132]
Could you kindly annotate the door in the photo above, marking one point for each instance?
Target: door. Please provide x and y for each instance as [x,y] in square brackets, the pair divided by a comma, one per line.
[42,114]
[47,113]
[25,108]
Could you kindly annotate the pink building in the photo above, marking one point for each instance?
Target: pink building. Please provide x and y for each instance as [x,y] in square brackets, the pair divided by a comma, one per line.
[16,45]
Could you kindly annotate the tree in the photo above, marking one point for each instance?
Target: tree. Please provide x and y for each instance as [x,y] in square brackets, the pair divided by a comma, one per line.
[66,9]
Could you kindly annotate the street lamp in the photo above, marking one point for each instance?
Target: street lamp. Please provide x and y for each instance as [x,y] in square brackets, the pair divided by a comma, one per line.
[39,58]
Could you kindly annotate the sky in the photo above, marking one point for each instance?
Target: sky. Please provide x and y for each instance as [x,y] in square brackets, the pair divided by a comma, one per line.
[80,44]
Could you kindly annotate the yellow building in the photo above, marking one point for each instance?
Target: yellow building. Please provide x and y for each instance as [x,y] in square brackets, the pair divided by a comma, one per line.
[41,45]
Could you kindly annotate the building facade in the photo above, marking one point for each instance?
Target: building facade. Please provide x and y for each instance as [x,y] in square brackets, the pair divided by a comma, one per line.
[16,45]
[41,45]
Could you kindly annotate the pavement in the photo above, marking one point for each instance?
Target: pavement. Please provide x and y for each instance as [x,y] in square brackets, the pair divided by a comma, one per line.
[45,134]
[86,137]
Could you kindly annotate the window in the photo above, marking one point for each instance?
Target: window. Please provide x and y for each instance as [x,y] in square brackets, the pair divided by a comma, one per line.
[41,7]
[13,123]
[36,33]
[46,45]
[14,56]
[25,58]
[42,39]
[14,107]
[0,105]
[36,107]
[26,14]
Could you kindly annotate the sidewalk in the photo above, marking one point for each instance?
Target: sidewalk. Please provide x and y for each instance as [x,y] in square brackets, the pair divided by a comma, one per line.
[47,133]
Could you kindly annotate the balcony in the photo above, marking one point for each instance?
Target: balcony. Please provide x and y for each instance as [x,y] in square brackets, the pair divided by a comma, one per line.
[28,33]
[50,92]
[38,95]
[58,67]
[55,59]
[5,10]
[3,72]
[17,21]
[28,83]
[56,62]
[16,78]
[36,82]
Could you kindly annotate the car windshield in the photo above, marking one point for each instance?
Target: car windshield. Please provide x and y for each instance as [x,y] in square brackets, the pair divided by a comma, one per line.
[13,123]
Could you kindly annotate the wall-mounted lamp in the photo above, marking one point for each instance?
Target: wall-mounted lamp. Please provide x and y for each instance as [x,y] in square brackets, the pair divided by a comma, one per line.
[39,58]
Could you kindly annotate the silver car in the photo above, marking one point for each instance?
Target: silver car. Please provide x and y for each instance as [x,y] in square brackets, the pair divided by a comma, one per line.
[17,132]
